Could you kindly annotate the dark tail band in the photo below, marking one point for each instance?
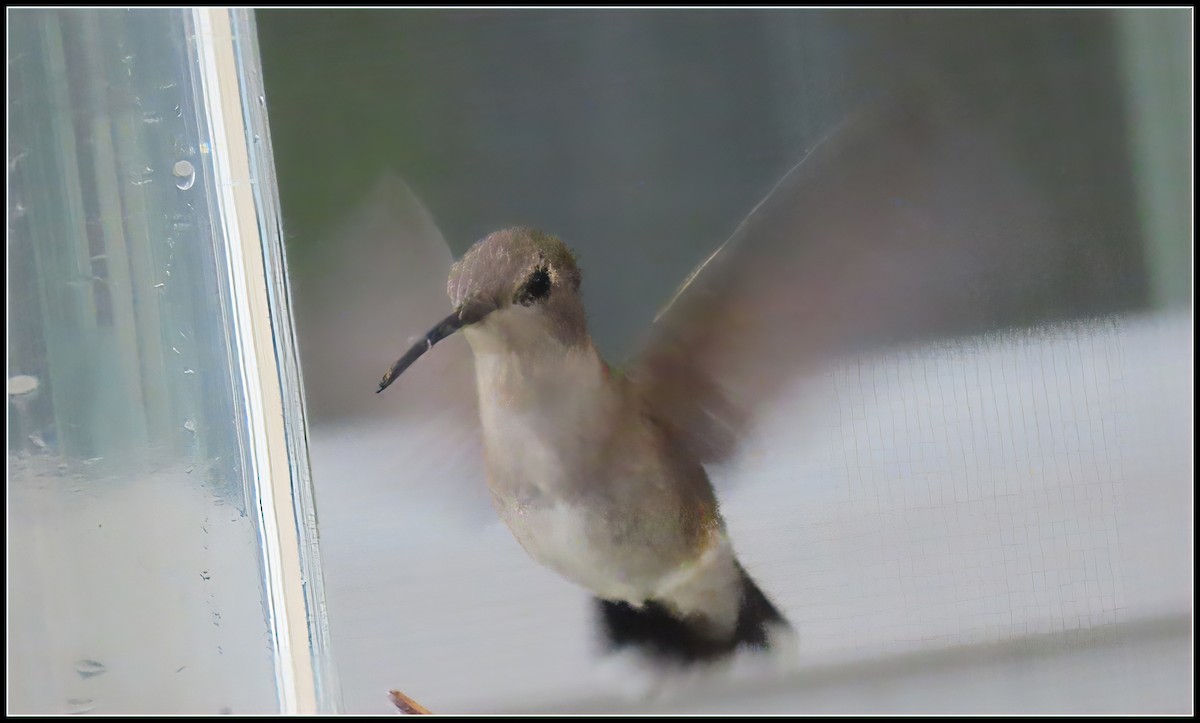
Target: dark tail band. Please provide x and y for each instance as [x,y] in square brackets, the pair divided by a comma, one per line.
[655,631]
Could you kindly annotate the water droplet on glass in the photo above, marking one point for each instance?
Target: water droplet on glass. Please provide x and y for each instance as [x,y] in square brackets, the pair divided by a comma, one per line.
[185,175]
[21,385]
[88,668]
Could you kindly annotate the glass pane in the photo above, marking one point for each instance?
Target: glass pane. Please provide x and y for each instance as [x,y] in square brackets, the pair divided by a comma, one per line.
[990,518]
[137,573]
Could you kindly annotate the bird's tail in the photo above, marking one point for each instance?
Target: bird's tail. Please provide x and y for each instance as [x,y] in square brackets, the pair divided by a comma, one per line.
[655,630]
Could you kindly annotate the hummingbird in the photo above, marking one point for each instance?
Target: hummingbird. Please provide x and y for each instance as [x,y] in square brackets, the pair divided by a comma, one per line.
[886,231]
[589,480]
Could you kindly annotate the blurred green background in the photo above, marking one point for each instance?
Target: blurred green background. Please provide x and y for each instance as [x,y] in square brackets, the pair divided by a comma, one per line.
[642,138]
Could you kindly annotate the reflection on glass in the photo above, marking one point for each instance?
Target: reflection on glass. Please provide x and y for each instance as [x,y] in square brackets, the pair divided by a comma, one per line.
[136,580]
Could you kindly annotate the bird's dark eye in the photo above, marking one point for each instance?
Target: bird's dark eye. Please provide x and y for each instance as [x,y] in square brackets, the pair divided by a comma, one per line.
[536,287]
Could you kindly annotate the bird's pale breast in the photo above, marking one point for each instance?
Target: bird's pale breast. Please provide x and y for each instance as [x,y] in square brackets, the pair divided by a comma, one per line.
[582,479]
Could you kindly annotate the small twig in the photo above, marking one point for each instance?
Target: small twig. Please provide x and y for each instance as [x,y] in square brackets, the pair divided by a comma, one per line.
[407,705]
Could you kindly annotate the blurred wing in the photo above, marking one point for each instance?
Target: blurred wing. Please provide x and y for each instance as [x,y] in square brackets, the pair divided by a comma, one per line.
[382,284]
[904,223]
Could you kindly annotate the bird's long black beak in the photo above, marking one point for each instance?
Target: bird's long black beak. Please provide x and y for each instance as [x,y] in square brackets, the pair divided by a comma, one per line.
[445,328]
